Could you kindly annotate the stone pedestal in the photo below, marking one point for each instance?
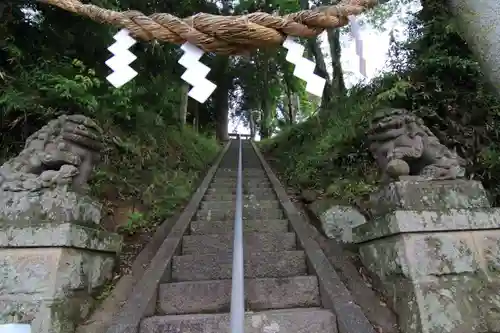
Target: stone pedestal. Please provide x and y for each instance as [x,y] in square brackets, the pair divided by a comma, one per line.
[435,246]
[52,257]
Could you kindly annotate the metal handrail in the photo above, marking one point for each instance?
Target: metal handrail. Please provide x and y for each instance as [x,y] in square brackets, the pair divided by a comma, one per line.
[238,279]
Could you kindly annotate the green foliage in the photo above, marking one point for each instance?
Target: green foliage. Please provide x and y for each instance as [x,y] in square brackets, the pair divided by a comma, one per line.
[55,65]
[433,74]
[136,221]
[328,154]
[158,167]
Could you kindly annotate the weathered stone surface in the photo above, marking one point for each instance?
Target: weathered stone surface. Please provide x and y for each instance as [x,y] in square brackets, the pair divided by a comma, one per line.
[45,315]
[406,221]
[54,235]
[338,221]
[61,153]
[50,287]
[402,145]
[49,270]
[59,205]
[445,277]
[435,246]
[308,320]
[51,256]
[408,194]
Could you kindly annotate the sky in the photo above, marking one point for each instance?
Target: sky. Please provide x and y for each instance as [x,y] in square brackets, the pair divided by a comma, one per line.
[375,45]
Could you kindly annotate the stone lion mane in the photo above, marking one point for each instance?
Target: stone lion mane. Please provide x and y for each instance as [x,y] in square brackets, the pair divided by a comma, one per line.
[63,152]
[403,146]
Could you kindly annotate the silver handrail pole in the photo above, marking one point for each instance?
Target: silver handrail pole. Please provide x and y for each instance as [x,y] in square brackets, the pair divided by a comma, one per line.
[238,279]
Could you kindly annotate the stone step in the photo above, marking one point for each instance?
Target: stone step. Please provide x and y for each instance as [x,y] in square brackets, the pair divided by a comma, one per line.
[261,294]
[308,320]
[219,196]
[246,189]
[257,265]
[257,174]
[222,227]
[245,177]
[246,183]
[230,204]
[230,194]
[249,171]
[254,242]
[249,213]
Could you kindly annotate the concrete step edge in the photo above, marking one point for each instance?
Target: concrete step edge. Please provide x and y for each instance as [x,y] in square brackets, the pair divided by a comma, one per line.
[212,296]
[253,241]
[257,265]
[200,227]
[301,320]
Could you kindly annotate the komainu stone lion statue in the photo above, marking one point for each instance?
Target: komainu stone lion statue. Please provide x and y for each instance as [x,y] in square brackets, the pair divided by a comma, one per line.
[62,152]
[403,146]
[47,181]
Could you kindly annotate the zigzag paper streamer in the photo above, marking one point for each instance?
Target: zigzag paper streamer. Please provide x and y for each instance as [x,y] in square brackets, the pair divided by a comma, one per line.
[304,68]
[356,33]
[196,73]
[119,63]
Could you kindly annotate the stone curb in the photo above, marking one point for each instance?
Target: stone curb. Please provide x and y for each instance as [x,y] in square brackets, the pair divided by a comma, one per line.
[334,294]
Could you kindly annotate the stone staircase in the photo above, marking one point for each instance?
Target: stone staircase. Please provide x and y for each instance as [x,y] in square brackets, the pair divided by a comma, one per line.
[281,294]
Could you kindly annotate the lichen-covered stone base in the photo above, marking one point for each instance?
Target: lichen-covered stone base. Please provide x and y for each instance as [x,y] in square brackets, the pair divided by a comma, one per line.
[50,287]
[57,205]
[436,195]
[440,282]
[440,269]
[55,235]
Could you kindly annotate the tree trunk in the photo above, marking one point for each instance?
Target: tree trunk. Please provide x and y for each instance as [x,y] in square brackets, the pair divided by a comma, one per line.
[290,112]
[252,124]
[195,111]
[338,84]
[221,97]
[265,122]
[295,108]
[184,104]
[480,29]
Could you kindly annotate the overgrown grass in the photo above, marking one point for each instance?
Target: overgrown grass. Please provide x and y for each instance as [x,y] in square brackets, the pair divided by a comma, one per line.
[328,154]
[156,169]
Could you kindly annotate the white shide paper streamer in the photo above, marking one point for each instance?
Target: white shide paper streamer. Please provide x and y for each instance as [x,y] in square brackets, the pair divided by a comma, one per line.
[196,73]
[304,68]
[119,63]
[356,33]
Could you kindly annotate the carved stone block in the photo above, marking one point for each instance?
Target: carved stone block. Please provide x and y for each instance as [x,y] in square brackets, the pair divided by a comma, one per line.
[437,257]
[49,271]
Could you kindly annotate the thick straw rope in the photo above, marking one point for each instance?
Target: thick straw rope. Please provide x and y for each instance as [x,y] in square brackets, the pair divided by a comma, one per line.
[222,34]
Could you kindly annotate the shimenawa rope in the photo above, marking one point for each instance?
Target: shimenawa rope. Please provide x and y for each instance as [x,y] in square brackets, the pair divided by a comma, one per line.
[222,34]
